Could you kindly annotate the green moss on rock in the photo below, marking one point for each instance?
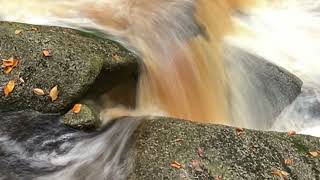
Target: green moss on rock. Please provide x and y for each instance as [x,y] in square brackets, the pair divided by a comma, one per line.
[77,61]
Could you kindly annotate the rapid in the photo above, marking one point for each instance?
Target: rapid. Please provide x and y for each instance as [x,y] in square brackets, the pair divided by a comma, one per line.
[184,75]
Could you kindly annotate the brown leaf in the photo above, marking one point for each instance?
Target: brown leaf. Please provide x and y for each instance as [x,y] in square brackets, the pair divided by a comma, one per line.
[8,88]
[7,70]
[279,173]
[54,93]
[176,165]
[46,53]
[314,153]
[200,152]
[288,162]
[9,64]
[18,31]
[292,133]
[76,108]
[38,91]
[239,131]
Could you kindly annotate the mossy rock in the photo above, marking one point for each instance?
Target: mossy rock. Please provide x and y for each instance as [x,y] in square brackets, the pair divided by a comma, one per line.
[86,119]
[76,62]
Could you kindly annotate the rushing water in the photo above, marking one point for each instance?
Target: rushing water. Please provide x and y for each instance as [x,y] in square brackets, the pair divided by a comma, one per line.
[184,75]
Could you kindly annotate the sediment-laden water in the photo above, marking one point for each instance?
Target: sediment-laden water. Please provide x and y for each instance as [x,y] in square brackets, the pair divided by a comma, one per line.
[184,75]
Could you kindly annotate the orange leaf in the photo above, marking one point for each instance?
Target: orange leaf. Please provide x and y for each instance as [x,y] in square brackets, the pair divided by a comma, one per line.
[54,93]
[176,165]
[76,108]
[46,53]
[239,131]
[7,70]
[9,64]
[38,91]
[292,133]
[8,88]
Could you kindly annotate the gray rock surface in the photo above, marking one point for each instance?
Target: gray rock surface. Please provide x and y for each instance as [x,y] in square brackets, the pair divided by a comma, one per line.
[78,60]
[86,119]
[259,90]
[218,151]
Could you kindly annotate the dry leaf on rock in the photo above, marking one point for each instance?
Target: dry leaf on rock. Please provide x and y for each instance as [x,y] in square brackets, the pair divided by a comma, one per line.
[279,173]
[54,93]
[38,91]
[76,108]
[8,88]
[9,64]
[314,153]
[292,133]
[176,165]
[46,53]
[239,131]
[34,29]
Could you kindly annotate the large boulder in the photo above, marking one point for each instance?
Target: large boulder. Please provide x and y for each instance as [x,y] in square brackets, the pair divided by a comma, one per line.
[76,61]
[175,149]
[259,90]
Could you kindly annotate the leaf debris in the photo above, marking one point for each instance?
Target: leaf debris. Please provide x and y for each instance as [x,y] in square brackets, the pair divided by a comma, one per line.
[176,165]
[8,88]
[9,64]
[38,92]
[76,108]
[54,93]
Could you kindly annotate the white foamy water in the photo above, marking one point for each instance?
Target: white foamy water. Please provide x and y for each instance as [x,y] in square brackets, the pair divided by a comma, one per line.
[288,35]
[283,32]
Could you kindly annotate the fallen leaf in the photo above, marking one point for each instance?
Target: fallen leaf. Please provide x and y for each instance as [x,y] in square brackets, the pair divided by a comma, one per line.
[76,108]
[9,87]
[288,162]
[292,133]
[239,131]
[34,29]
[9,64]
[18,31]
[7,70]
[218,178]
[54,93]
[279,173]
[314,153]
[200,152]
[46,53]
[38,91]
[176,165]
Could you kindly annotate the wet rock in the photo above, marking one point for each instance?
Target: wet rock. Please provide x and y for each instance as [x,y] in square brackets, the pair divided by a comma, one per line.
[76,61]
[86,119]
[214,151]
[259,90]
